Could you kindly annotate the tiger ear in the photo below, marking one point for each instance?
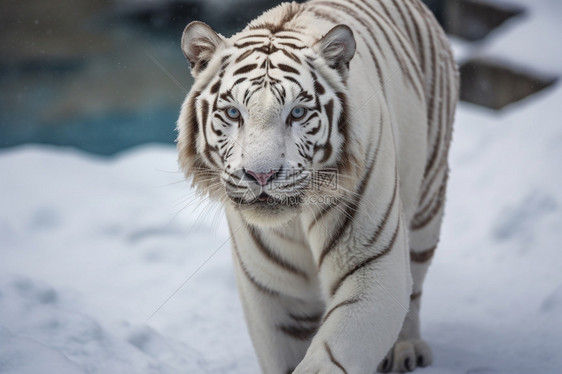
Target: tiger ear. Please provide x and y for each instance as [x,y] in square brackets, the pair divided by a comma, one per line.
[199,43]
[337,47]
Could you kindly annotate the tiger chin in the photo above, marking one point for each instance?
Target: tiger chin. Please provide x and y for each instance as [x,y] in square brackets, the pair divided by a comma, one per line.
[324,129]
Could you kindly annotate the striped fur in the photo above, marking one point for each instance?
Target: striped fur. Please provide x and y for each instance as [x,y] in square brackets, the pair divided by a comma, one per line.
[324,130]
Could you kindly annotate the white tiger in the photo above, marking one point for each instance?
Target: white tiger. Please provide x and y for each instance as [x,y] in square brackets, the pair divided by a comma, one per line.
[324,129]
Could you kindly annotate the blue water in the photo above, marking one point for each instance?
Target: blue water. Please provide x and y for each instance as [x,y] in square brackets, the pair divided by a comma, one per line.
[104,134]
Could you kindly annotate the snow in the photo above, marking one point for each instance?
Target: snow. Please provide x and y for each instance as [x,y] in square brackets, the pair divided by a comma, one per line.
[113,265]
[528,40]
[531,41]
[91,248]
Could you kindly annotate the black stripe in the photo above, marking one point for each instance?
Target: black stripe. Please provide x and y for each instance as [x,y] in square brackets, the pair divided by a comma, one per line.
[272,256]
[430,180]
[273,28]
[293,80]
[422,256]
[327,151]
[327,146]
[291,45]
[318,87]
[204,115]
[418,225]
[446,116]
[279,36]
[367,261]
[329,110]
[344,162]
[227,95]
[342,121]
[208,153]
[220,117]
[293,11]
[314,131]
[245,69]
[415,296]
[305,96]
[248,275]
[193,124]
[208,150]
[382,224]
[243,56]
[229,182]
[215,87]
[350,212]
[347,302]
[433,85]
[288,68]
[248,95]
[437,144]
[431,209]
[314,318]
[333,359]
[310,117]
[238,81]
[298,332]
[291,185]
[247,44]
[216,131]
[254,36]
[427,204]
[292,56]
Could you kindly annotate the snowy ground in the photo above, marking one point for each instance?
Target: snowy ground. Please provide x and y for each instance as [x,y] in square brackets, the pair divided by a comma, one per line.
[97,255]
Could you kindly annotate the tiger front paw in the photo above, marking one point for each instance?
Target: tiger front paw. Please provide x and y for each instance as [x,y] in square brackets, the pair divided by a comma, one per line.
[317,368]
[320,362]
[406,356]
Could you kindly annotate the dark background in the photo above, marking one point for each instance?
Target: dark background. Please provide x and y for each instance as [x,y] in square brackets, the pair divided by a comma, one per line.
[105,75]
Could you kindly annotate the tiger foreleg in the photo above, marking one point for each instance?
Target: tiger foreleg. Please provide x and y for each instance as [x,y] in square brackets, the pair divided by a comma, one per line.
[281,307]
[280,337]
[368,291]
[410,350]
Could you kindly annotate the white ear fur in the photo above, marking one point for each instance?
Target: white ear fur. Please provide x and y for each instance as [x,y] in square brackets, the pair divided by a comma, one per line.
[199,43]
[337,47]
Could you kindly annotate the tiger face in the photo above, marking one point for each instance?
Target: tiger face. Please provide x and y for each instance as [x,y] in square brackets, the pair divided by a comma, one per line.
[263,122]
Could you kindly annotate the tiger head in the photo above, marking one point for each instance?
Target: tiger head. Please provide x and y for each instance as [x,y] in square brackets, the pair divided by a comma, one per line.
[264,125]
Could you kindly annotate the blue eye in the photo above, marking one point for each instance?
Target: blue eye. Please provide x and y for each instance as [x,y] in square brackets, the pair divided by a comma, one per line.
[232,112]
[298,112]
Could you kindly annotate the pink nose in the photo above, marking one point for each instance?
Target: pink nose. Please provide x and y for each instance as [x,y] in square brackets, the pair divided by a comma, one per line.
[262,178]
